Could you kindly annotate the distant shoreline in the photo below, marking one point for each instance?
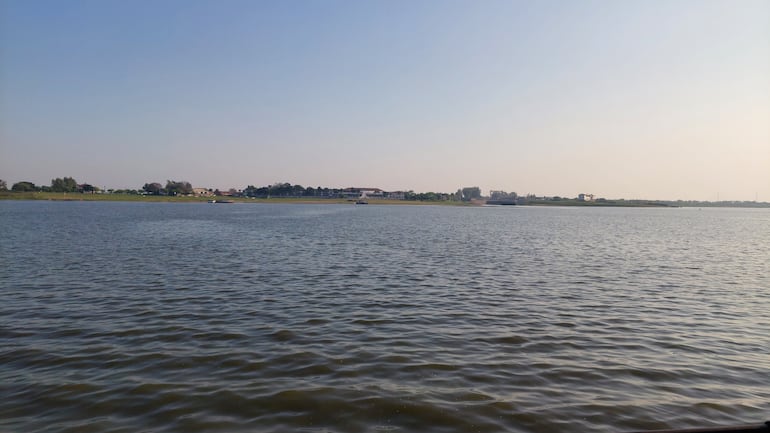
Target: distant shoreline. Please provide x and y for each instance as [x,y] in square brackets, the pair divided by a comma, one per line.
[59,196]
[74,196]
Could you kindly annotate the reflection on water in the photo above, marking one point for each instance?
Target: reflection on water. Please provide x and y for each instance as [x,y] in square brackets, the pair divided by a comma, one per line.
[334,318]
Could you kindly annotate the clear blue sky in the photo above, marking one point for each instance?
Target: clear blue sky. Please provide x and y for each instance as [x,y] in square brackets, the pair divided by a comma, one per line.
[634,99]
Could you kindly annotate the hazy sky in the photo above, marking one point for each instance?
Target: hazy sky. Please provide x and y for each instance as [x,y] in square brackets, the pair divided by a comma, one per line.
[636,99]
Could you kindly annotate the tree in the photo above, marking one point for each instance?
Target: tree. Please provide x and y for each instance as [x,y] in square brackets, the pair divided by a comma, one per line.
[280,189]
[66,184]
[3,185]
[178,188]
[297,190]
[153,188]
[23,187]
[87,187]
[250,191]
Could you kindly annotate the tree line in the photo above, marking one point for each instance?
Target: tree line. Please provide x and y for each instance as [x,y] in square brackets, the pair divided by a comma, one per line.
[172,188]
[289,190]
[60,184]
[279,189]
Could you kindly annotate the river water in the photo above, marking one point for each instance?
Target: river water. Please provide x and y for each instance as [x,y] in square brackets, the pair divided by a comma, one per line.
[161,317]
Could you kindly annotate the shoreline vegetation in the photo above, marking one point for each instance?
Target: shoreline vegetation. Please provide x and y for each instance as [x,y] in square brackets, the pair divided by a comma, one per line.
[68,189]
[75,196]
[544,201]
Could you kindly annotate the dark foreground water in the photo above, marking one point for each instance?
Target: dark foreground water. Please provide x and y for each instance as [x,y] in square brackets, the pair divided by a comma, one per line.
[331,318]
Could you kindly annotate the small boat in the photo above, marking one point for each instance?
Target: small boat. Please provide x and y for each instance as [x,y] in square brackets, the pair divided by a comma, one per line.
[221,201]
[361,201]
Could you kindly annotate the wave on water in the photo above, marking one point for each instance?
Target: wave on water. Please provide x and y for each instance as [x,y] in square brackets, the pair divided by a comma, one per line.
[271,318]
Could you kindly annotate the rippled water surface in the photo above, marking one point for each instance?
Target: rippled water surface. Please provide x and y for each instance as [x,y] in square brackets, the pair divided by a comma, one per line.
[340,318]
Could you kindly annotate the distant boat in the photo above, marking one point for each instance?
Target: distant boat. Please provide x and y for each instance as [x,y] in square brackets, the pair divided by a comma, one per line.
[221,201]
[361,201]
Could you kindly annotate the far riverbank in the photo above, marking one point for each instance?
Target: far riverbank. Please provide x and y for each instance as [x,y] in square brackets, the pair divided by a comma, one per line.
[61,196]
[73,196]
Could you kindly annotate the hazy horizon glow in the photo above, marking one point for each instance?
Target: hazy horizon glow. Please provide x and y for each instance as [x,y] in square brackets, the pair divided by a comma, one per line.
[636,99]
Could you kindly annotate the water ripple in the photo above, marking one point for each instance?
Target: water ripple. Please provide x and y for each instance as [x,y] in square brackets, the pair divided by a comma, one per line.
[396,319]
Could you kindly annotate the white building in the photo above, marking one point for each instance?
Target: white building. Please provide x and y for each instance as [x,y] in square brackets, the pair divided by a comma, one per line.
[202,192]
